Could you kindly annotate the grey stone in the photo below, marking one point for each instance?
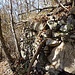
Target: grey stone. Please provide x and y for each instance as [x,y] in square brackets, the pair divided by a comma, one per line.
[63,57]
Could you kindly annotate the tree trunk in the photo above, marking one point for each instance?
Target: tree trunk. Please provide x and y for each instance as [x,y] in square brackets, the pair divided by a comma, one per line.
[14,35]
[6,52]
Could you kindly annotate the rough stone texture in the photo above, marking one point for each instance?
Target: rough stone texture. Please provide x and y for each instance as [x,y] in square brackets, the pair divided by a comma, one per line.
[63,57]
[5,68]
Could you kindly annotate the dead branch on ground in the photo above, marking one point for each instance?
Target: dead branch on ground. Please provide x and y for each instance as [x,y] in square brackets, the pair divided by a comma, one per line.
[35,56]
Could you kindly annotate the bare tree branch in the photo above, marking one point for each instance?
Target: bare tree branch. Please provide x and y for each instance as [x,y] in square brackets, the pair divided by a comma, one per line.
[61,5]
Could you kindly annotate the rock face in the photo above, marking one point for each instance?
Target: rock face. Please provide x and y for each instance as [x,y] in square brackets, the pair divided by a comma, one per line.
[59,47]
[63,57]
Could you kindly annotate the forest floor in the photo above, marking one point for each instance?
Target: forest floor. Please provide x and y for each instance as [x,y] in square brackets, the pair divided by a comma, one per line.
[5,68]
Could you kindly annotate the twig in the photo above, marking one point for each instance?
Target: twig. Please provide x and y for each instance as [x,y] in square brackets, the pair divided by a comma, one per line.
[50,7]
[58,2]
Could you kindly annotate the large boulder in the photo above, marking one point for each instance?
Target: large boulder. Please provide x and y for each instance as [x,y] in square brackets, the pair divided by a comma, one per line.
[63,57]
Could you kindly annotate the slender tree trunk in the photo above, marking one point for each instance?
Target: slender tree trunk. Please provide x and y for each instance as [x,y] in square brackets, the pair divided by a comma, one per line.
[14,34]
[27,5]
[38,6]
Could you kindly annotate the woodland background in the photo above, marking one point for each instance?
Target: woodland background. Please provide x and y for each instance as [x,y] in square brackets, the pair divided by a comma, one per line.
[15,17]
